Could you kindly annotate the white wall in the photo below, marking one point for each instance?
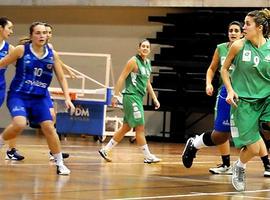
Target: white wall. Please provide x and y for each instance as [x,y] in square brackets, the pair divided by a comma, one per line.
[113,30]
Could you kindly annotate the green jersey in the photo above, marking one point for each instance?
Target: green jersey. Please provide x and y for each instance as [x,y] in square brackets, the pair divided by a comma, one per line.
[251,76]
[222,49]
[136,83]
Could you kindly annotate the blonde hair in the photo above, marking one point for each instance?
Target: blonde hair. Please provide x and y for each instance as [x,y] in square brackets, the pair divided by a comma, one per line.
[24,40]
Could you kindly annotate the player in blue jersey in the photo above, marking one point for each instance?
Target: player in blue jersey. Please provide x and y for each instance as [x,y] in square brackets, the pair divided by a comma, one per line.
[49,100]
[6,29]
[35,63]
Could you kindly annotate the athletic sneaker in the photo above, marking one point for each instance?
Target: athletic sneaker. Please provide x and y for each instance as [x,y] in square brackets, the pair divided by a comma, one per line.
[267,171]
[64,155]
[13,154]
[238,177]
[222,169]
[62,170]
[152,159]
[104,154]
[189,153]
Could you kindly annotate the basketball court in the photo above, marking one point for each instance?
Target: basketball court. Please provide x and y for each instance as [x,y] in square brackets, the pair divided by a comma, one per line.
[126,177]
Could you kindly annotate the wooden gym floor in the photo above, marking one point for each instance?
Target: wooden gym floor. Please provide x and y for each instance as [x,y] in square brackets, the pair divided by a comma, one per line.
[127,177]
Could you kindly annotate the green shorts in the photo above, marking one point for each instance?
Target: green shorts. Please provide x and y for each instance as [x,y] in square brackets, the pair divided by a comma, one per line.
[245,121]
[133,110]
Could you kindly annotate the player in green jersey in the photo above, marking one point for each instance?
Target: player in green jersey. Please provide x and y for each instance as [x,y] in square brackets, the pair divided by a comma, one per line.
[221,134]
[249,90]
[135,76]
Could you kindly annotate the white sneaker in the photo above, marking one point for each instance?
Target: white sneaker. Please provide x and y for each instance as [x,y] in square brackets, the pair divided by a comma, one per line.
[62,170]
[238,177]
[152,159]
[221,169]
[266,171]
[104,154]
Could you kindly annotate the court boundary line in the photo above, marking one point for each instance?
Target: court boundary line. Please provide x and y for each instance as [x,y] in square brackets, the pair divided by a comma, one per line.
[196,195]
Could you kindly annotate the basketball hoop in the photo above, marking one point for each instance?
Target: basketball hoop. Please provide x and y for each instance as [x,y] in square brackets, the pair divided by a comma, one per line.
[60,95]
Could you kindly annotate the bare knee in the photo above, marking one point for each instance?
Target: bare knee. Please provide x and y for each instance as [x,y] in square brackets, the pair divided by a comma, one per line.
[139,129]
[19,123]
[47,128]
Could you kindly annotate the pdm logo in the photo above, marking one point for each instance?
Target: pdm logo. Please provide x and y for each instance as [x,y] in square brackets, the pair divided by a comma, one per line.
[81,111]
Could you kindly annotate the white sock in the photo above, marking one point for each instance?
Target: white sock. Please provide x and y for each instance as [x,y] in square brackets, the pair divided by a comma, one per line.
[145,151]
[112,143]
[198,142]
[240,164]
[59,158]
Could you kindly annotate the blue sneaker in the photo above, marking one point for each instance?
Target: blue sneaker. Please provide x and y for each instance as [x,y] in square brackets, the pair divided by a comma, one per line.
[13,154]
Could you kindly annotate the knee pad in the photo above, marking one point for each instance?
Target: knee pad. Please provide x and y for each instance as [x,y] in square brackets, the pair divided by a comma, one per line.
[265,130]
[207,139]
[265,127]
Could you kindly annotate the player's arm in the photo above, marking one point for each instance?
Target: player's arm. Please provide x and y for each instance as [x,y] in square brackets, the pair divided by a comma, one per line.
[67,70]
[62,81]
[129,67]
[232,97]
[211,73]
[12,56]
[152,94]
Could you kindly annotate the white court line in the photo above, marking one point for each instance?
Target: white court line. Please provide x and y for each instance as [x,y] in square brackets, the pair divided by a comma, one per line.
[241,196]
[193,180]
[197,194]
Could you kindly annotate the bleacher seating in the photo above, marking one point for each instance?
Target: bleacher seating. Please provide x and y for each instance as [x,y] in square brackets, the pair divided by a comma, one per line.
[190,40]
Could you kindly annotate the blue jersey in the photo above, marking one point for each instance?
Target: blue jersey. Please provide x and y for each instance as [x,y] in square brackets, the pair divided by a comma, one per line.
[33,74]
[3,52]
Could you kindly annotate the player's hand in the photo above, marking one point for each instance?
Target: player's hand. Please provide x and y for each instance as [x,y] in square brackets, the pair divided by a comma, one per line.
[70,106]
[114,101]
[209,89]
[157,104]
[232,98]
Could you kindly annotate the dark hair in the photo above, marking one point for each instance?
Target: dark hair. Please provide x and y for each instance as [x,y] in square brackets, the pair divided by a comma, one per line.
[261,17]
[33,25]
[48,25]
[142,41]
[4,21]
[237,23]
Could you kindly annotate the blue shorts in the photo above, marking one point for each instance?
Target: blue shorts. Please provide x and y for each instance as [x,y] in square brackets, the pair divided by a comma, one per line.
[222,118]
[49,102]
[34,108]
